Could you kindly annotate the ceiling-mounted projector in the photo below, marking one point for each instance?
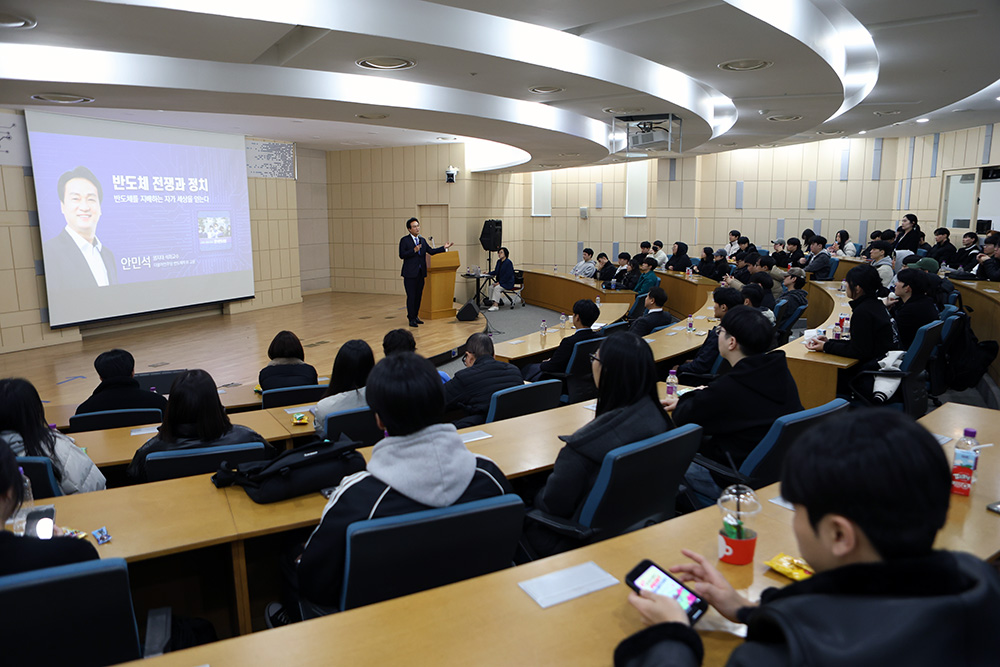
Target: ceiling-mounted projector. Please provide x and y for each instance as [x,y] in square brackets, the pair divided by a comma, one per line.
[652,140]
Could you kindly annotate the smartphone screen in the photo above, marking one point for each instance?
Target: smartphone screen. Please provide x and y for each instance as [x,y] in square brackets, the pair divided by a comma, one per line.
[657,581]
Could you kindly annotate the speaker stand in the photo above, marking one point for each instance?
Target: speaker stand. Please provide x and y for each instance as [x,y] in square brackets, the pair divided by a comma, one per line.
[490,329]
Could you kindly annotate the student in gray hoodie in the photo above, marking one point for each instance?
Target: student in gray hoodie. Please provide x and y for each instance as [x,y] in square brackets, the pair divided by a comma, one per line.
[421,464]
[882,261]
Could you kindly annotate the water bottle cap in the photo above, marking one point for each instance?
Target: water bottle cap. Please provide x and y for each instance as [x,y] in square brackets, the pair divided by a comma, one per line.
[20,469]
[673,372]
[970,433]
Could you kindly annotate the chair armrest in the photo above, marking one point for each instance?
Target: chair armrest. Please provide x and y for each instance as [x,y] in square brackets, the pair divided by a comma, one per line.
[158,626]
[719,469]
[561,526]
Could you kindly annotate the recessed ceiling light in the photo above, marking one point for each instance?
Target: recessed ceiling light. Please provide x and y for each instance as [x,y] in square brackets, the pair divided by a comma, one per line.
[960,110]
[745,65]
[545,90]
[371,116]
[623,111]
[729,144]
[767,145]
[385,63]
[15,22]
[923,120]
[863,132]
[998,99]
[893,112]
[447,138]
[549,166]
[788,118]
[62,98]
[829,133]
[569,155]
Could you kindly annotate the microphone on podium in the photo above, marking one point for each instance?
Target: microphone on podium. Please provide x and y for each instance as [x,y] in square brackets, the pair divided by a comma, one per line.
[432,241]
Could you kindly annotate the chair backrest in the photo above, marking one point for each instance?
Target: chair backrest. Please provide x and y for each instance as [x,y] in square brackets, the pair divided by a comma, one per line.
[857,249]
[357,424]
[947,312]
[160,380]
[580,376]
[639,482]
[43,479]
[96,421]
[778,305]
[834,263]
[792,318]
[695,261]
[615,327]
[660,328]
[637,307]
[79,614]
[175,463]
[953,298]
[949,329]
[763,465]
[399,555]
[276,398]
[922,252]
[524,399]
[915,359]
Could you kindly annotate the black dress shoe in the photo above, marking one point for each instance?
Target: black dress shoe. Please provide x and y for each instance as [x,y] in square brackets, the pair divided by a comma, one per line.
[418,321]
[413,323]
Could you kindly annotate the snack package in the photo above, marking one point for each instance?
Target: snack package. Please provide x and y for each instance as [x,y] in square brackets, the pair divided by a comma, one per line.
[300,418]
[792,567]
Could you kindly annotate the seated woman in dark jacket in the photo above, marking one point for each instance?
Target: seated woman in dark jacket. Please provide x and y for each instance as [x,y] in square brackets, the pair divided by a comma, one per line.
[288,367]
[194,418]
[679,260]
[22,554]
[628,410]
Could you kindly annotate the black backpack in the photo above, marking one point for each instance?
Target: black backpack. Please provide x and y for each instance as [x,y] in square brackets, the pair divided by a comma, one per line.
[296,472]
[966,357]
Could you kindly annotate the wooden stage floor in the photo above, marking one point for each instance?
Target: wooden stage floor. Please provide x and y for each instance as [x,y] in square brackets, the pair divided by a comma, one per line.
[233,348]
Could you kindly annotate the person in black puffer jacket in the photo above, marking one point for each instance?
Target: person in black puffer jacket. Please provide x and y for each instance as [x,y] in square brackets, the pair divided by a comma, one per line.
[472,387]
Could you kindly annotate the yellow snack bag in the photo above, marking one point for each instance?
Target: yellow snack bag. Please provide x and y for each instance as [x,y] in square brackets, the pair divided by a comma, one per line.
[792,567]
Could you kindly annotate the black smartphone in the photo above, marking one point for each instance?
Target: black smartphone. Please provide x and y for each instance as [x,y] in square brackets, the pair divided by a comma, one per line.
[994,507]
[40,521]
[649,576]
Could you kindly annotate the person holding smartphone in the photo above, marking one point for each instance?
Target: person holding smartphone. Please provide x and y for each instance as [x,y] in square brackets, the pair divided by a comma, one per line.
[22,554]
[880,594]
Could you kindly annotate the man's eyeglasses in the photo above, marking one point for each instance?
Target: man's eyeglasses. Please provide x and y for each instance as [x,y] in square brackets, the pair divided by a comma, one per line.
[595,358]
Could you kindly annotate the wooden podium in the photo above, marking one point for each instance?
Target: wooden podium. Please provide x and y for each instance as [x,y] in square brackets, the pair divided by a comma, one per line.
[439,288]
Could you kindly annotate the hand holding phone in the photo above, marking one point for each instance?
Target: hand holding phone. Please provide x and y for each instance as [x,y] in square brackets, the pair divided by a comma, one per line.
[40,522]
[648,576]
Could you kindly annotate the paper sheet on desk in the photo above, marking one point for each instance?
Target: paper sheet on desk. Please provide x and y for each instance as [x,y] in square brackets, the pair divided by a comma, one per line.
[650,340]
[147,430]
[515,342]
[573,582]
[781,502]
[991,291]
[475,435]
[301,408]
[942,439]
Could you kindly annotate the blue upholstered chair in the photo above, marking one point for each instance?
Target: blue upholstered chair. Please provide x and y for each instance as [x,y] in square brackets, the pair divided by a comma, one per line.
[357,424]
[525,399]
[277,398]
[98,421]
[175,463]
[38,470]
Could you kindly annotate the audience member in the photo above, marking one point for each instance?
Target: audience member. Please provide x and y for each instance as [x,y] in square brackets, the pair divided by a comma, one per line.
[628,410]
[723,299]
[909,236]
[119,390]
[23,428]
[744,337]
[753,296]
[713,265]
[632,275]
[943,251]
[746,246]
[820,263]
[647,277]
[913,307]
[645,248]
[679,261]
[586,267]
[965,257]
[923,245]
[734,243]
[194,419]
[659,255]
[870,329]
[988,267]
[401,340]
[287,367]
[794,295]
[654,316]
[743,264]
[769,266]
[842,246]
[807,235]
[795,254]
[778,253]
[874,236]
[585,313]
[353,363]
[767,286]
[472,387]
[26,553]
[939,289]
[504,276]
[879,588]
[881,260]
[605,269]
[420,464]
[622,268]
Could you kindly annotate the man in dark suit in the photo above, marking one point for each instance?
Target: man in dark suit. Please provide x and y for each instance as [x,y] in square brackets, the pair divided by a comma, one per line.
[654,316]
[413,250]
[75,257]
[585,313]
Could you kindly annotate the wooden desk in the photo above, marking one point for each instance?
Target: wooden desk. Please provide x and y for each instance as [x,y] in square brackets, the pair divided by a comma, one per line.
[117,446]
[535,344]
[490,620]
[846,264]
[985,314]
[815,373]
[685,295]
[559,291]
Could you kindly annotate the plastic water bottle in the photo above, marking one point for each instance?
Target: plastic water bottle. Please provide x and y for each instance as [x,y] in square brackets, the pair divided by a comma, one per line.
[598,302]
[963,470]
[672,384]
[28,504]
[543,329]
[555,268]
[614,283]
[690,328]
[836,331]
[843,285]
[562,320]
